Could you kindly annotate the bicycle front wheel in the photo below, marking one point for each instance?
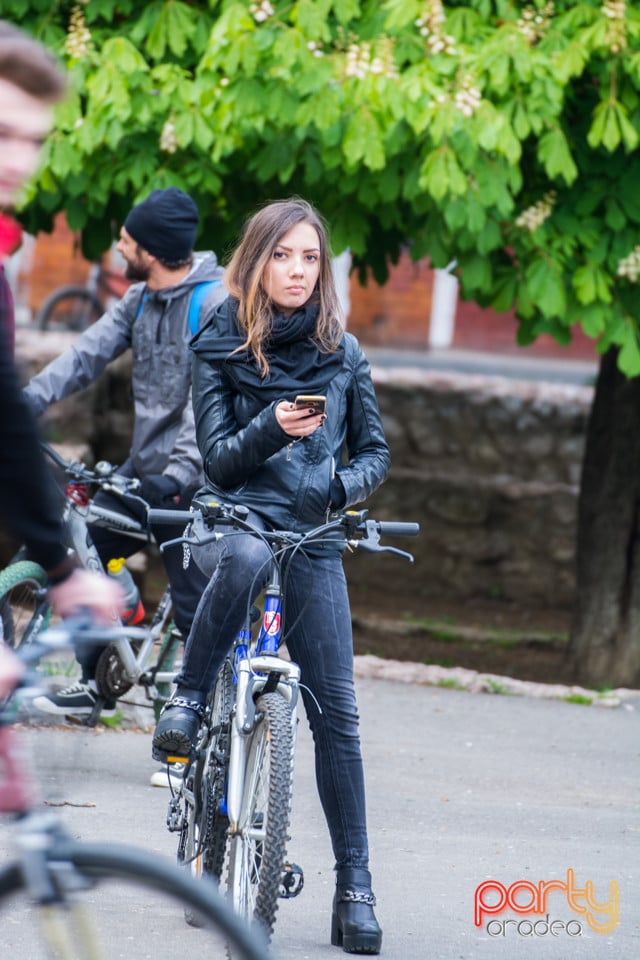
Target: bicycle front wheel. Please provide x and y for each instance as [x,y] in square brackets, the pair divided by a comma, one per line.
[119,902]
[257,850]
[203,837]
[69,308]
[24,609]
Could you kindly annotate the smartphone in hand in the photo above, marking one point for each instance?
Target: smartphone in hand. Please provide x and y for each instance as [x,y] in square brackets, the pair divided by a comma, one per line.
[311,401]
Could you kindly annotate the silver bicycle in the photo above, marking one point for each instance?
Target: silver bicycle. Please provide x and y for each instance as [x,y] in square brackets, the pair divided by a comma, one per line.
[233,806]
[148,662]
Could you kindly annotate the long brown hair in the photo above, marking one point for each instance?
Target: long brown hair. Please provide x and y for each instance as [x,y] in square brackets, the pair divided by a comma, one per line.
[244,274]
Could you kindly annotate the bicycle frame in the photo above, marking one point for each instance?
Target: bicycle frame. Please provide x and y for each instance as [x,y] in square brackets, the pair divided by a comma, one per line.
[252,674]
[234,800]
[77,515]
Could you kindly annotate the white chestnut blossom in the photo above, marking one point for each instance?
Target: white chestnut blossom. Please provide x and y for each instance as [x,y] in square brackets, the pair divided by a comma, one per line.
[78,42]
[534,216]
[262,11]
[534,23]
[629,266]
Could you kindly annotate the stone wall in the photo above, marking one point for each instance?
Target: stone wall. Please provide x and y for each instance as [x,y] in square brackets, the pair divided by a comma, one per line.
[488,466]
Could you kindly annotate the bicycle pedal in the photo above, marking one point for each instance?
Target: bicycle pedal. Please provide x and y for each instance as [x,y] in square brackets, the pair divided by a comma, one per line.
[291,881]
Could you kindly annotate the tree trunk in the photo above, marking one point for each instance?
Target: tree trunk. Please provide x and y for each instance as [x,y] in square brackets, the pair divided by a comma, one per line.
[605,641]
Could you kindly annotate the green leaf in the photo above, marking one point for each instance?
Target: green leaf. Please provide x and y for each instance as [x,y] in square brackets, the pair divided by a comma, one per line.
[591,283]
[593,320]
[174,26]
[441,174]
[584,284]
[554,154]
[614,215]
[611,127]
[629,356]
[310,16]
[475,275]
[401,13]
[544,283]
[363,141]
[505,293]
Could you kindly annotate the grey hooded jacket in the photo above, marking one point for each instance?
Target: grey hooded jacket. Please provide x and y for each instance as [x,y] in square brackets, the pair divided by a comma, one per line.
[155,325]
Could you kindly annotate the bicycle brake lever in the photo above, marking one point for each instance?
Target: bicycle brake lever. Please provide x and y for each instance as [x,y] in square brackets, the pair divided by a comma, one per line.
[376,548]
[371,542]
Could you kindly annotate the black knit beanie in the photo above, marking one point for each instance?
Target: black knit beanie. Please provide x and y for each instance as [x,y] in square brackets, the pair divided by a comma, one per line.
[165,224]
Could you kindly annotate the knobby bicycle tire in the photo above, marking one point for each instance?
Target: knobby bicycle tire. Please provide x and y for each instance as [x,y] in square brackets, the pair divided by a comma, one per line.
[203,837]
[24,608]
[98,863]
[69,308]
[257,854]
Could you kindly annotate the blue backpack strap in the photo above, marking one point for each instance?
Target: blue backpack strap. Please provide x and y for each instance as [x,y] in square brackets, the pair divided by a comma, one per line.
[143,300]
[200,291]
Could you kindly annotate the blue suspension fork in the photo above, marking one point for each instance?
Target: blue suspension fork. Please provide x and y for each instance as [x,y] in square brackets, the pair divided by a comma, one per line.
[253,674]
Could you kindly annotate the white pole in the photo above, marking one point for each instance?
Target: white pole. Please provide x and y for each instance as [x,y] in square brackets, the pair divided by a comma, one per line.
[341,269]
[443,307]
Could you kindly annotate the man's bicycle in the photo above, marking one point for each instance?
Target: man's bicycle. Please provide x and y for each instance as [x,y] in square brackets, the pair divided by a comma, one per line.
[148,662]
[233,806]
[93,901]
[75,307]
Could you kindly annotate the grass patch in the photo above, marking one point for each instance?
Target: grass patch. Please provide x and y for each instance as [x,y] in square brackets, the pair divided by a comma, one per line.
[495,686]
[579,698]
[450,684]
[115,721]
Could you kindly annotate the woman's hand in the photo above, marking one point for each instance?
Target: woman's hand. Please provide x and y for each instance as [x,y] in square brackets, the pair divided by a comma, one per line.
[298,422]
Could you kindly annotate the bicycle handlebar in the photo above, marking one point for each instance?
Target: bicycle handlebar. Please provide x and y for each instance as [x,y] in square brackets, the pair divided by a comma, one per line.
[358,529]
[396,528]
[104,473]
[167,517]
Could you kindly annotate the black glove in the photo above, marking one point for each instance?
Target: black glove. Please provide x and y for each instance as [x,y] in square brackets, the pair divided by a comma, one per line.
[160,490]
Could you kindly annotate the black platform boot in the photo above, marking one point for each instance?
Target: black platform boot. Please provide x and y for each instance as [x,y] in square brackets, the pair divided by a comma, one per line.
[353,923]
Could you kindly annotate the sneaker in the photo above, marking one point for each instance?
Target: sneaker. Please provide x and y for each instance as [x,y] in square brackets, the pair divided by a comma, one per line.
[169,776]
[78,700]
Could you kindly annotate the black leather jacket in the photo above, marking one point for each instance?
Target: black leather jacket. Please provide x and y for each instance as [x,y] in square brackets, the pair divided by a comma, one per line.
[249,459]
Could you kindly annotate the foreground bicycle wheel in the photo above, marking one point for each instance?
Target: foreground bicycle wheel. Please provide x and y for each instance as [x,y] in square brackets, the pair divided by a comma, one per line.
[125,903]
[257,851]
[24,609]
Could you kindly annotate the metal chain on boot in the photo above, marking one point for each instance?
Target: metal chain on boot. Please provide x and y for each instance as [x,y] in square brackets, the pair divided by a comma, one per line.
[185,702]
[357,896]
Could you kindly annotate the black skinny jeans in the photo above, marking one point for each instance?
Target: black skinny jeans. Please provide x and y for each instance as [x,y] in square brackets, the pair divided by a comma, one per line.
[320,641]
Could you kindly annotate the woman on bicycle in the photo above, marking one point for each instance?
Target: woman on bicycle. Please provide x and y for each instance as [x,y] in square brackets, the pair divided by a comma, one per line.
[278,335]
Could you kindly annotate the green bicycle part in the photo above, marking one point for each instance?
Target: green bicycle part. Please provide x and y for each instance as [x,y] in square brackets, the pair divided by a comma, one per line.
[24,608]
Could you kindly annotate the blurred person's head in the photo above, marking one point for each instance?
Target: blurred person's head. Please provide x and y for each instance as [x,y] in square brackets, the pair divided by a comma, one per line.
[31,83]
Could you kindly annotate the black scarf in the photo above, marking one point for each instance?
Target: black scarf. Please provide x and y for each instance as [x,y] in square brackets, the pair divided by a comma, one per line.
[296,364]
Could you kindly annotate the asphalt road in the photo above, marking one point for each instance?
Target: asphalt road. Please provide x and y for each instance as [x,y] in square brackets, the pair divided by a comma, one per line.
[462,788]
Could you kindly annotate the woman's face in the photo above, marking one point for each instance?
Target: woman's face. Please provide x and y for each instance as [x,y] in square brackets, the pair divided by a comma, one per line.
[291,275]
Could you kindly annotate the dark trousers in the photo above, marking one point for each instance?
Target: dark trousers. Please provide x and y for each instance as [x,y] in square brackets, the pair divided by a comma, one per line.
[320,641]
[186,586]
